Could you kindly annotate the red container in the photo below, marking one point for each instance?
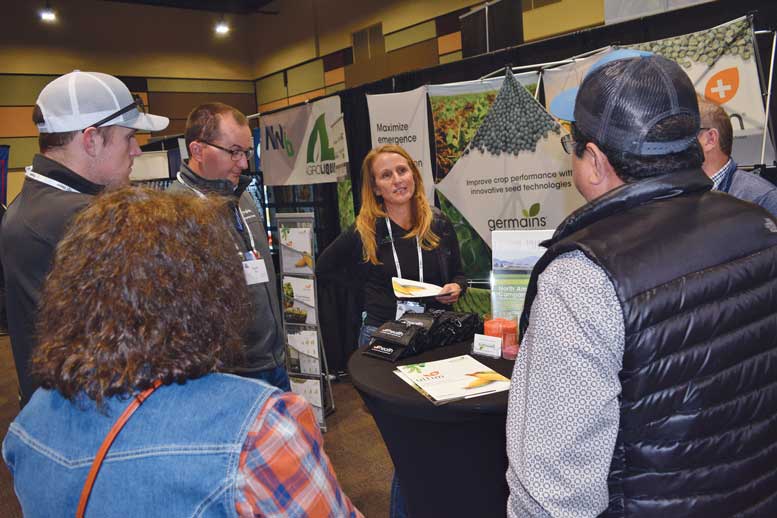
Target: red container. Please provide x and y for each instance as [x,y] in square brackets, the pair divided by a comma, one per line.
[509,339]
[507,330]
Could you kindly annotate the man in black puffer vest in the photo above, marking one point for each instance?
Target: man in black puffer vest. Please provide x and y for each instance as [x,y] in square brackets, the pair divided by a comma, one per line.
[646,384]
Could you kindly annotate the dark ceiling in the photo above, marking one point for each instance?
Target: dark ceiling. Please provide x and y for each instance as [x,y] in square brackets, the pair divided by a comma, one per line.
[221,6]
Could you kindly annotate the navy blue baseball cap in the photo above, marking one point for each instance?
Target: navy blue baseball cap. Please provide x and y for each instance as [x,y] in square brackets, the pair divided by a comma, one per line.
[623,96]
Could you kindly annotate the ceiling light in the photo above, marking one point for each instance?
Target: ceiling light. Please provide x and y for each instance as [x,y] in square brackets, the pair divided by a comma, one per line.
[48,15]
[222,27]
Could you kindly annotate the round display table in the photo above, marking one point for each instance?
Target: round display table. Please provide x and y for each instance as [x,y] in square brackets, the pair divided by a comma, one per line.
[450,459]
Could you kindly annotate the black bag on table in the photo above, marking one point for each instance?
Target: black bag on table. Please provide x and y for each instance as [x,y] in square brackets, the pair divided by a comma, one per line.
[415,333]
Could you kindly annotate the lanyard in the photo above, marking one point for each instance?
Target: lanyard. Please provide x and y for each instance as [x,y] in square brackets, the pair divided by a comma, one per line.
[396,257]
[240,222]
[29,173]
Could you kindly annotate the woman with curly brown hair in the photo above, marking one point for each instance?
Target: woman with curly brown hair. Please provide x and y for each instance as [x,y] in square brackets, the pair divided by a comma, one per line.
[144,303]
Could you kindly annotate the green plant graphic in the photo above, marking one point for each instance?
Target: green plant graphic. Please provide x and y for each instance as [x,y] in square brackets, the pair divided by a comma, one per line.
[533,211]
[319,134]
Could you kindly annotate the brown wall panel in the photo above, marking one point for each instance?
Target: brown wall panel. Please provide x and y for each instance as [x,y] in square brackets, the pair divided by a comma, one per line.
[449,43]
[268,107]
[16,121]
[15,182]
[414,57]
[372,70]
[176,127]
[178,105]
[335,76]
[307,95]
[22,150]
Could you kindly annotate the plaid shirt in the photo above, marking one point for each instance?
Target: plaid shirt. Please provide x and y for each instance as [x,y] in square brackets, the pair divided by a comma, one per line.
[717,178]
[283,469]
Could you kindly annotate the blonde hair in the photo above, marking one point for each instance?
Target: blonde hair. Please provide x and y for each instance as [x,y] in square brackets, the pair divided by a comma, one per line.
[373,208]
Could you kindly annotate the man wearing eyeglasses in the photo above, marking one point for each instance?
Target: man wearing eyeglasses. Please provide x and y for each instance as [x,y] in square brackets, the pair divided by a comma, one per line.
[87,123]
[645,383]
[219,142]
[716,138]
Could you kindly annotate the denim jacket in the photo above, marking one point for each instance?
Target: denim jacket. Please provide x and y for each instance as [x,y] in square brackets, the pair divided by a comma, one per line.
[177,456]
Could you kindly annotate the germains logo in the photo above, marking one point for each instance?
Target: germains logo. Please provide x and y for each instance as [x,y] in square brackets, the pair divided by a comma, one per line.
[531,219]
[723,86]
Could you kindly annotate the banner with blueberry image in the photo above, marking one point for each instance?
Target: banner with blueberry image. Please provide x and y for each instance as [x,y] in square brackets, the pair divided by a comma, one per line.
[721,64]
[513,173]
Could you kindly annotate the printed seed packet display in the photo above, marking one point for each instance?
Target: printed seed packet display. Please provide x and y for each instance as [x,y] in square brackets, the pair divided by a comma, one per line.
[303,351]
[297,252]
[299,301]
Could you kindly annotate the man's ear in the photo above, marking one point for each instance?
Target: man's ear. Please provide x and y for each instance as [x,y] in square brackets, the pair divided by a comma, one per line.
[602,175]
[91,141]
[597,171]
[709,140]
[195,150]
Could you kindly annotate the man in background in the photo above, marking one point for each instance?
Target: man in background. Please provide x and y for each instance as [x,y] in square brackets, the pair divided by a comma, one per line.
[716,138]
[219,143]
[87,123]
[645,384]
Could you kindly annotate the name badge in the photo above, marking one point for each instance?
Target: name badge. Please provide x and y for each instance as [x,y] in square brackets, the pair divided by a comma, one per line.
[407,306]
[255,272]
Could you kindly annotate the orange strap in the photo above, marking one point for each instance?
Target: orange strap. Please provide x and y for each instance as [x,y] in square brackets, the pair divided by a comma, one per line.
[105,446]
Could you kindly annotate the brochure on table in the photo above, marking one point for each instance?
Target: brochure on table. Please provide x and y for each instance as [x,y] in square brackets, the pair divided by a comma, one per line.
[305,357]
[452,379]
[514,254]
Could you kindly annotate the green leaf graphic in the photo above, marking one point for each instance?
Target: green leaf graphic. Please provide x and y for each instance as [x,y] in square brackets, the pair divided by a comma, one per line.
[534,210]
[525,213]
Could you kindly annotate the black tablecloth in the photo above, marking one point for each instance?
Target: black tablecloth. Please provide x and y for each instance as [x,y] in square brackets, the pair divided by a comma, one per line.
[450,459]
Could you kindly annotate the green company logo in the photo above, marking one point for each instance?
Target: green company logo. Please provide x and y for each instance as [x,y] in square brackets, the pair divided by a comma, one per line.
[530,219]
[533,211]
[319,134]
[324,164]
[288,146]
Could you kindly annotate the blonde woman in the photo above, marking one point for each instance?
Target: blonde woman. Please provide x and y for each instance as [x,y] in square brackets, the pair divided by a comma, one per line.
[397,234]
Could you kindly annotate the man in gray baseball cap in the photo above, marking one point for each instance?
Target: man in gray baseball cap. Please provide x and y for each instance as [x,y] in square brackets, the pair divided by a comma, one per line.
[645,383]
[87,123]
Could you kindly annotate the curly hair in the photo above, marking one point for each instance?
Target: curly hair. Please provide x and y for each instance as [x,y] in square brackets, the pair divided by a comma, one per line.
[145,286]
[373,208]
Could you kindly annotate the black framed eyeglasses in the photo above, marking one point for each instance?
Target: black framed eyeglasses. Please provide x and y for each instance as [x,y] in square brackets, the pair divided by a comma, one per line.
[568,143]
[235,154]
[137,103]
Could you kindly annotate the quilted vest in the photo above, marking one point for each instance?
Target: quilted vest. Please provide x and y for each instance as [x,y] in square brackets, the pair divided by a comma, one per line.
[695,273]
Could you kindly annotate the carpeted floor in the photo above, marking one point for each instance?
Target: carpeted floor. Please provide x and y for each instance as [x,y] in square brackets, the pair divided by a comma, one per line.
[352,442]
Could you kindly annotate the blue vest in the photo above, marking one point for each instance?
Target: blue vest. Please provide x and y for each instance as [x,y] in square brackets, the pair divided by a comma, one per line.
[177,455]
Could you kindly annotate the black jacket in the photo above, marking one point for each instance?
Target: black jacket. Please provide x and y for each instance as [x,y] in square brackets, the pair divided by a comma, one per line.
[342,262]
[35,222]
[263,341]
[695,273]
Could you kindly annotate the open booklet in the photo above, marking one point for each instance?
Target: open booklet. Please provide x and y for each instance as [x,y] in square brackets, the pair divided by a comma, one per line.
[452,379]
[407,289]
